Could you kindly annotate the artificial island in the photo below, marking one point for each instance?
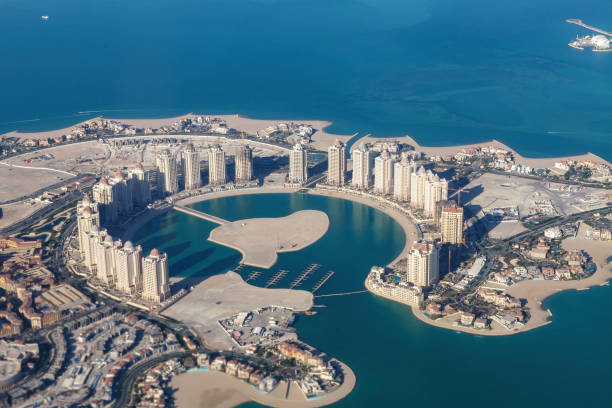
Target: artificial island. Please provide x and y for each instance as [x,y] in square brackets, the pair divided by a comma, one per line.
[91,319]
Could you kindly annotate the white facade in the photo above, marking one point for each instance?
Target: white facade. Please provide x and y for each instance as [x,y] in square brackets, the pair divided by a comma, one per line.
[167,178]
[155,278]
[362,167]
[87,217]
[336,164]
[383,173]
[191,171]
[129,268]
[451,224]
[423,264]
[298,165]
[216,166]
[104,195]
[402,178]
[436,189]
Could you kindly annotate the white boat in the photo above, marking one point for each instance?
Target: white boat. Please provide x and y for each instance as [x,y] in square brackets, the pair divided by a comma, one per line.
[44,17]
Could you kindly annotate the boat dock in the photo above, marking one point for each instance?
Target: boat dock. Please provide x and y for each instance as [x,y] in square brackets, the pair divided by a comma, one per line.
[588,27]
[322,281]
[199,214]
[253,275]
[298,281]
[277,277]
[342,294]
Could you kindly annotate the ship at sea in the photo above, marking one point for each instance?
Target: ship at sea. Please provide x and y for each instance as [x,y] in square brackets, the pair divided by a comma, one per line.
[599,43]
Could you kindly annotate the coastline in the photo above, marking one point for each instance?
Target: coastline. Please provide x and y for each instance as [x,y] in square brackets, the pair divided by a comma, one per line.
[213,389]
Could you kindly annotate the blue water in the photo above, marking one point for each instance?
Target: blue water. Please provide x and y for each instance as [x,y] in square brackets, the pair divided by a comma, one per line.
[443,71]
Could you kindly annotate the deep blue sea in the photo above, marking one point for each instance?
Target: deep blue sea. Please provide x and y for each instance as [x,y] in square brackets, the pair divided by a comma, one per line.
[443,71]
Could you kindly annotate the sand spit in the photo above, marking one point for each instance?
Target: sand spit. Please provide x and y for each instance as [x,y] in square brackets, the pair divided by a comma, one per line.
[518,158]
[260,239]
[213,389]
[225,295]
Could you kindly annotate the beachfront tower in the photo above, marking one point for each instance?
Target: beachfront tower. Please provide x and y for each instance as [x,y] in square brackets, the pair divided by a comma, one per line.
[103,194]
[436,189]
[451,223]
[167,178]
[298,165]
[155,276]
[423,264]
[129,268]
[141,187]
[383,173]
[402,176]
[87,217]
[336,164]
[417,188]
[244,164]
[362,167]
[191,160]
[216,166]
[122,193]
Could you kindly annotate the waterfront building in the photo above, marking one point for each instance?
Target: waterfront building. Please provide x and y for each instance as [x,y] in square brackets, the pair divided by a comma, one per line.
[336,164]
[122,194]
[87,217]
[362,167]
[417,188]
[383,173]
[298,165]
[216,166]
[103,194]
[423,264]
[129,268]
[155,278]
[90,245]
[167,179]
[141,186]
[191,168]
[244,164]
[402,177]
[451,223]
[436,189]
[106,260]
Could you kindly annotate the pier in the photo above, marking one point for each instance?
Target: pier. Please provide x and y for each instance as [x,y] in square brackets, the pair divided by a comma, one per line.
[322,281]
[199,214]
[312,268]
[253,275]
[277,277]
[342,294]
[588,27]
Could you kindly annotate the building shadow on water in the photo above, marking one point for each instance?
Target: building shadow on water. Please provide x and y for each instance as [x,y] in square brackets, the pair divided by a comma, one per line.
[214,268]
[174,250]
[192,259]
[158,240]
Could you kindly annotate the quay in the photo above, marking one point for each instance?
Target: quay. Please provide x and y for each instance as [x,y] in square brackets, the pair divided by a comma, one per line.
[199,214]
[588,27]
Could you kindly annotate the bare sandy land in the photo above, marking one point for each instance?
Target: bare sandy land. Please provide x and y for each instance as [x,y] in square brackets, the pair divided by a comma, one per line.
[153,123]
[242,191]
[12,213]
[212,389]
[260,239]
[536,291]
[224,295]
[44,134]
[409,227]
[16,182]
[518,158]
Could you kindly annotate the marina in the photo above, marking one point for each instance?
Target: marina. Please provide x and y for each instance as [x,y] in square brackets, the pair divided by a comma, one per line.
[322,281]
[253,276]
[312,268]
[276,278]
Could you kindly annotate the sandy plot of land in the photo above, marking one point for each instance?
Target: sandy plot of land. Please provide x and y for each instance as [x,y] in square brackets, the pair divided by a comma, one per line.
[518,158]
[16,182]
[12,213]
[260,239]
[224,295]
[536,291]
[44,134]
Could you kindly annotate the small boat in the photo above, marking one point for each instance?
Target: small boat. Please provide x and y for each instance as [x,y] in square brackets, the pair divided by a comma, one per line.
[44,17]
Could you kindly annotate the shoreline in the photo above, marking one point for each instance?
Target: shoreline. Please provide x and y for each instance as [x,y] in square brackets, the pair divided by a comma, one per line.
[320,139]
[215,389]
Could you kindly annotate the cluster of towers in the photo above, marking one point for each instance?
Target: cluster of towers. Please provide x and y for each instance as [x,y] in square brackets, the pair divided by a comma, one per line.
[168,168]
[117,264]
[122,195]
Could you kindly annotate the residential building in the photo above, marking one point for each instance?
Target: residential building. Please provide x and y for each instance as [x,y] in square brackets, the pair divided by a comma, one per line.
[362,167]
[402,177]
[155,279]
[87,216]
[129,268]
[103,194]
[167,179]
[141,186]
[191,170]
[336,164]
[451,223]
[298,165]
[244,164]
[216,166]
[423,264]
[383,173]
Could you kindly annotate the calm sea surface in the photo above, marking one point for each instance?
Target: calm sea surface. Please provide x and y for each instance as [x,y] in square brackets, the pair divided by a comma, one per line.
[400,361]
[443,71]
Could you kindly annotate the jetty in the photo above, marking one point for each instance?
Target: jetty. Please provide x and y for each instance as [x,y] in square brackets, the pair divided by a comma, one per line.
[588,27]
[253,275]
[322,281]
[199,214]
[277,277]
[312,268]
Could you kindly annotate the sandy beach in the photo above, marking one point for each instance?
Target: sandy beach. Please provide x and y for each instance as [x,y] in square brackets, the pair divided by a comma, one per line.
[213,389]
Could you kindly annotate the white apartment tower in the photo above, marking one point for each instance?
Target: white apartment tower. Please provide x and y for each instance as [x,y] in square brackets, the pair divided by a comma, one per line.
[191,159]
[129,268]
[451,223]
[383,173]
[155,277]
[244,164]
[167,178]
[141,187]
[436,189]
[104,195]
[423,264]
[362,167]
[336,164]
[298,165]
[122,193]
[87,217]
[402,177]
[106,260]
[216,166]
